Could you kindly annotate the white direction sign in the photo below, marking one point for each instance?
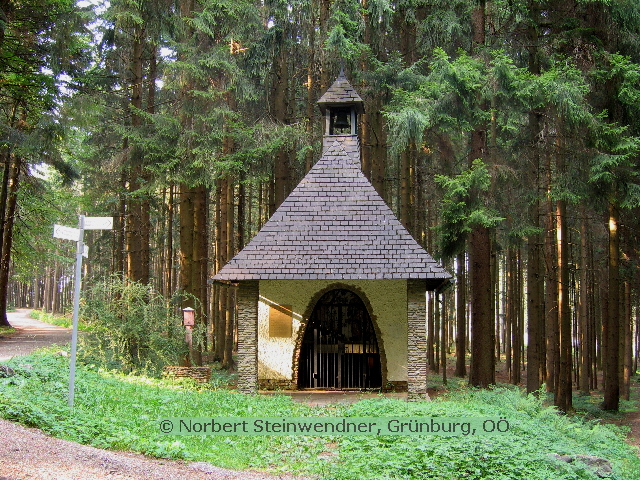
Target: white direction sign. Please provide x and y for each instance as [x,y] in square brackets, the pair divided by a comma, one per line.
[98,223]
[66,233]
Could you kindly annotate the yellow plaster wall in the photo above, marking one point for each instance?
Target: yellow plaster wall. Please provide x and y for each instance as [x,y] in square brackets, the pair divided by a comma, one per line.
[388,301]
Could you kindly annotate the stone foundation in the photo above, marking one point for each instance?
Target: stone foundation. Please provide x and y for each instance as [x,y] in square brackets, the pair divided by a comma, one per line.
[199,374]
[279,384]
[398,386]
[272,384]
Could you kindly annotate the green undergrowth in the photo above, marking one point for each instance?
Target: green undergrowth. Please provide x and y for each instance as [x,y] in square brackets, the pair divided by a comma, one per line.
[589,406]
[122,412]
[535,432]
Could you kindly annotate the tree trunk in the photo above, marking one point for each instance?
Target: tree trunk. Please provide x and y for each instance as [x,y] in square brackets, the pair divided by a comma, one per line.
[227,357]
[563,396]
[311,87]
[482,323]
[436,332]
[365,128]
[138,228]
[119,230]
[187,201]
[221,260]
[431,335]
[325,11]
[200,259]
[167,287]
[281,173]
[509,312]
[535,272]
[637,343]
[444,348]
[611,327]
[625,344]
[583,309]
[482,372]
[551,313]
[377,142]
[4,193]
[56,304]
[461,317]
[407,29]
[514,316]
[7,234]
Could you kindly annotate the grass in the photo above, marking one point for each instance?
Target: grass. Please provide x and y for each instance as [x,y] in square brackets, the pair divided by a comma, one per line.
[59,320]
[122,412]
[7,331]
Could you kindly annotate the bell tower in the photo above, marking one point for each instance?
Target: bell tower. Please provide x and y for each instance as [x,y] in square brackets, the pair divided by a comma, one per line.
[341,106]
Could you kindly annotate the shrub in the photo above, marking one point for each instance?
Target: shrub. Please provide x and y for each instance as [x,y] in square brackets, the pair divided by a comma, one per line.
[133,328]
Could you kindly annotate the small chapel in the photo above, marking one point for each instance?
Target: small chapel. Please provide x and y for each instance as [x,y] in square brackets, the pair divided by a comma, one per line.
[332,289]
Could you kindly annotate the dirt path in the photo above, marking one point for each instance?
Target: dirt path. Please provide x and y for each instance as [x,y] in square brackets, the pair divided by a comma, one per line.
[31,334]
[29,454]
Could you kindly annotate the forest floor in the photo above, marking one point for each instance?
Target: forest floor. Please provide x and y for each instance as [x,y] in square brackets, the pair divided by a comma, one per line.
[33,455]
[630,419]
[627,417]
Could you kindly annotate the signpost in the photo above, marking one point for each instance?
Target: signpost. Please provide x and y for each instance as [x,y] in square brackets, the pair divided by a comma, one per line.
[77,235]
[66,233]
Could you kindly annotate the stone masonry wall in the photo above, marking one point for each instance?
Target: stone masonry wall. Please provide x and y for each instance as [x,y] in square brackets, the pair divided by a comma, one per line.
[248,337]
[416,340]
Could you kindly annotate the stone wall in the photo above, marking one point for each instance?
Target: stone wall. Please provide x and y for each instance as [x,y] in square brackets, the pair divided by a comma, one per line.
[416,340]
[248,337]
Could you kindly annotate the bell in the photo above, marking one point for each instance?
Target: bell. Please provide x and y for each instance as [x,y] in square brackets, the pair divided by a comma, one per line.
[342,120]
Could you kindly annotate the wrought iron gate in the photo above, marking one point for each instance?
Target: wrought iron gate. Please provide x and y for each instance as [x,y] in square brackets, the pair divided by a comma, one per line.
[339,349]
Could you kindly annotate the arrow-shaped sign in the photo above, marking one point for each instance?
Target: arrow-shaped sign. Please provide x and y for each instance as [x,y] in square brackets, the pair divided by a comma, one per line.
[98,223]
[66,233]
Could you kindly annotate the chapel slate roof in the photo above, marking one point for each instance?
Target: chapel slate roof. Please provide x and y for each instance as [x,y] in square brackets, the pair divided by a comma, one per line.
[341,92]
[334,225]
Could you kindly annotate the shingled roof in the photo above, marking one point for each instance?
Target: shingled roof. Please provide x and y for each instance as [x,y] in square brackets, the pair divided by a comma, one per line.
[334,225]
[341,93]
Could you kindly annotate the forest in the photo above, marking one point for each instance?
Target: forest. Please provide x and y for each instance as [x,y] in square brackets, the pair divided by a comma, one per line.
[503,134]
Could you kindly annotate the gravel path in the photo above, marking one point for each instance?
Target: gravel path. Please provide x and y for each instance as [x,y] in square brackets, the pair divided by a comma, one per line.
[31,334]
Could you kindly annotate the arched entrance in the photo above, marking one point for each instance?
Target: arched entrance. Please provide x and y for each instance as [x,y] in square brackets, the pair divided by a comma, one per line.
[339,349]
